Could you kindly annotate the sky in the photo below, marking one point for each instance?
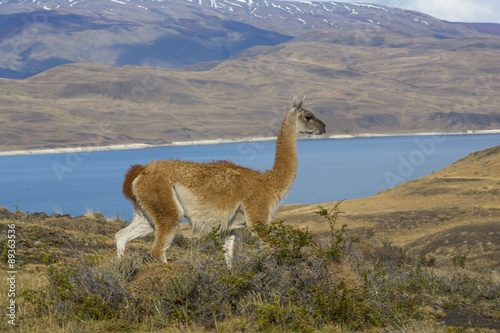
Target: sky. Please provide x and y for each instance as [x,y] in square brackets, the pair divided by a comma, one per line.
[449,10]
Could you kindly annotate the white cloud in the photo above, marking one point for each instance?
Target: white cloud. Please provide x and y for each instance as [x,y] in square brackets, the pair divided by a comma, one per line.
[459,10]
[449,10]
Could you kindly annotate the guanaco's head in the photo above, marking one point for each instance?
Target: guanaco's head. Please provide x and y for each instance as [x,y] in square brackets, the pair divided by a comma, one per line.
[307,123]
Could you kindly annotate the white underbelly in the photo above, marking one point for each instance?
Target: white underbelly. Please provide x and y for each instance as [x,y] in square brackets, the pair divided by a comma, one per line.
[204,216]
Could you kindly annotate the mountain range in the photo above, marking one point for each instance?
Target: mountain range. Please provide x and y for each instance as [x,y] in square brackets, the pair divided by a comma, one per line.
[38,35]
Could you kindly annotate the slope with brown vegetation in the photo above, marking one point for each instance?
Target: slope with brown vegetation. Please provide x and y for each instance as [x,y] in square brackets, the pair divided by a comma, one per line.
[452,213]
[67,279]
[376,82]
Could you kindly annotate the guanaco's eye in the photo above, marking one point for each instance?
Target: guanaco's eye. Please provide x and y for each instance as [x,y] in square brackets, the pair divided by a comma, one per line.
[308,117]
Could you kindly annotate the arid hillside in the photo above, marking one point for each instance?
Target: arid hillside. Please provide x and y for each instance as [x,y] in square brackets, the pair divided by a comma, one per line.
[377,82]
[452,213]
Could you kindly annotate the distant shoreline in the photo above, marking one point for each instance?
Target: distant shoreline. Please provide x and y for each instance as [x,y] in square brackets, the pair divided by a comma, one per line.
[86,149]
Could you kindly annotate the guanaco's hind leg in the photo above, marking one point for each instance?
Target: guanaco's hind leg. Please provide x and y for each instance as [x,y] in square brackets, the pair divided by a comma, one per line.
[164,237]
[158,200]
[137,228]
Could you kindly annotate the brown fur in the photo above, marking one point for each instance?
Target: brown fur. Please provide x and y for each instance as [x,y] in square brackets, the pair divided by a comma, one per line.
[130,176]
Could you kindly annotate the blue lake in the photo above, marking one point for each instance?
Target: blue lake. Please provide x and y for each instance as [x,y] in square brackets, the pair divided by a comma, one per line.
[329,170]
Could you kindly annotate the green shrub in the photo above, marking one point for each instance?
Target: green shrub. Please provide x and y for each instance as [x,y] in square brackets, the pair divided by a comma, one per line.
[334,249]
[92,307]
[285,316]
[38,298]
[285,242]
[341,304]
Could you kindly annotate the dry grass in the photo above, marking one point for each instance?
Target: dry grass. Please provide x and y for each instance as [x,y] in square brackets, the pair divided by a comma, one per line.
[69,280]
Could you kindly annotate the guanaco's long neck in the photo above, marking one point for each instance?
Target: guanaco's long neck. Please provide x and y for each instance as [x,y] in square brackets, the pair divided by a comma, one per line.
[284,170]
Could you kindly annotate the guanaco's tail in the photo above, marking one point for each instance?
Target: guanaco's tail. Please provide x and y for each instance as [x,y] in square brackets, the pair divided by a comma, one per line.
[130,176]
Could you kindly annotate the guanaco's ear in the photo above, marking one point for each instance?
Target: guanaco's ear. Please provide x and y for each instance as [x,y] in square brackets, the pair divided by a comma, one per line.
[297,105]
